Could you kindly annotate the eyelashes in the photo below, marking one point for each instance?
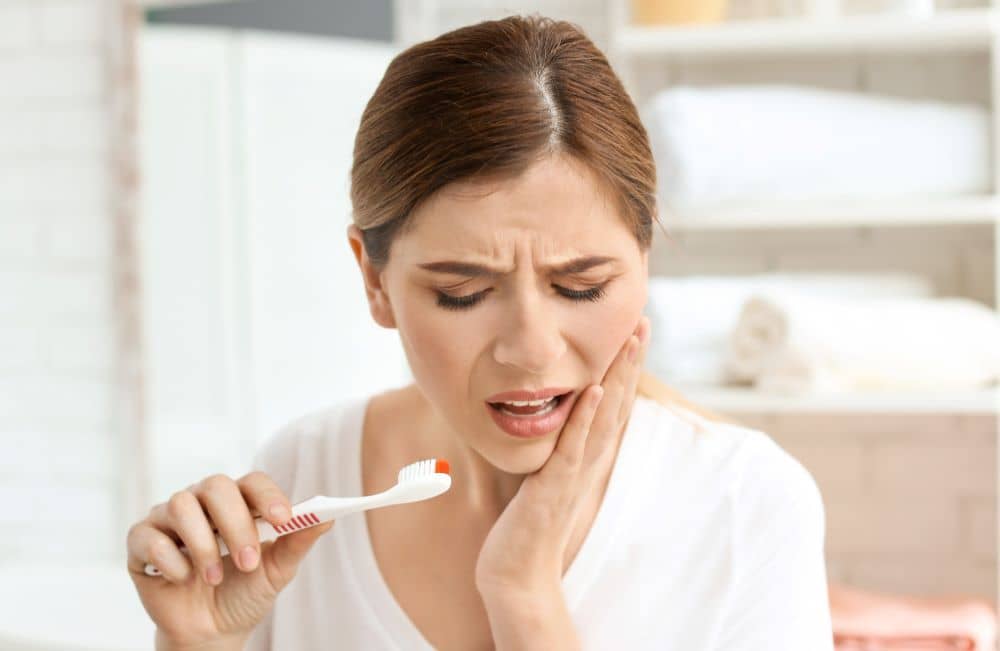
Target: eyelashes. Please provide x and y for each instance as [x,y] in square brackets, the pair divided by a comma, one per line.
[448,302]
[459,302]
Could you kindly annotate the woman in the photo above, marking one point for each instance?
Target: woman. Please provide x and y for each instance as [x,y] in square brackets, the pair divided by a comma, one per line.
[503,194]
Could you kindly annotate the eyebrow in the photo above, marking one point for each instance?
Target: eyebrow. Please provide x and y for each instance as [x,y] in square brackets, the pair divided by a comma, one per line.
[474,270]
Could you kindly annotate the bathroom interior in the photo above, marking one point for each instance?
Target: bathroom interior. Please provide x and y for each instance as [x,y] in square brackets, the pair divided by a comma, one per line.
[173,204]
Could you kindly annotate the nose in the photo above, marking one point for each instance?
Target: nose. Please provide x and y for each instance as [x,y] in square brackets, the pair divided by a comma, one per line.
[532,340]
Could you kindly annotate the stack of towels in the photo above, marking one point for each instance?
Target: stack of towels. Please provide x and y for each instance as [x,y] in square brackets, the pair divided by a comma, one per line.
[797,333]
[872,621]
[722,144]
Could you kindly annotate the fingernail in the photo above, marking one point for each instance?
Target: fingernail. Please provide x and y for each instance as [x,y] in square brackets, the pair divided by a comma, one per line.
[248,558]
[213,574]
[596,396]
[633,348]
[279,512]
[644,334]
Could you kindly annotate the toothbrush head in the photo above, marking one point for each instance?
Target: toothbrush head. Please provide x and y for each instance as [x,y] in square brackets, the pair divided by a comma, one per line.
[422,468]
[426,478]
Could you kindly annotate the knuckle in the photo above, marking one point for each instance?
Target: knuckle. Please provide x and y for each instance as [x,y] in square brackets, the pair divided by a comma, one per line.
[216,482]
[254,478]
[181,503]
[133,531]
[159,551]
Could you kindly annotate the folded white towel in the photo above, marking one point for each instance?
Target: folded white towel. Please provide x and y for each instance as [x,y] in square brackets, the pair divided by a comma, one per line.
[693,317]
[777,142]
[793,343]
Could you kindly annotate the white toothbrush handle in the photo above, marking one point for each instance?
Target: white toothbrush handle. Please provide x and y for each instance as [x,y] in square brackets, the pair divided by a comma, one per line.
[304,515]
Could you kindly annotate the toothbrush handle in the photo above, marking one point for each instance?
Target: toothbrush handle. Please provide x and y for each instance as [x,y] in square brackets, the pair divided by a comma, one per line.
[303,517]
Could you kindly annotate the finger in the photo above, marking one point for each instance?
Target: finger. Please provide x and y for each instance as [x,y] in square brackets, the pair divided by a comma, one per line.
[280,559]
[265,497]
[568,453]
[183,516]
[225,505]
[606,423]
[146,544]
[643,334]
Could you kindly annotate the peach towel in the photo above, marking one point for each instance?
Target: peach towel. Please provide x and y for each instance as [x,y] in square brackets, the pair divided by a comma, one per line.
[869,621]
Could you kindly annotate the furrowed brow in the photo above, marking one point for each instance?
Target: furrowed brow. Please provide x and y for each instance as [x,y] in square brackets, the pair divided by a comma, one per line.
[477,270]
[579,264]
[460,268]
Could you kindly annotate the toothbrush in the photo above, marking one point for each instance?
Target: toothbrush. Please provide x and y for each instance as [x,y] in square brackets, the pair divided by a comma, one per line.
[418,481]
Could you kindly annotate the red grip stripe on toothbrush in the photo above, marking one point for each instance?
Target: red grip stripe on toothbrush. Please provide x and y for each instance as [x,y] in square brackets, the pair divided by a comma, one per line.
[298,522]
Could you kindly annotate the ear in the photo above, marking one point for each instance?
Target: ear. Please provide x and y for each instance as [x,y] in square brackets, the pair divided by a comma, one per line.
[378,300]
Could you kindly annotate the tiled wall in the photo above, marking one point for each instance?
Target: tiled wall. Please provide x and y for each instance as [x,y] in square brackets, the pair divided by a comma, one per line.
[910,498]
[56,321]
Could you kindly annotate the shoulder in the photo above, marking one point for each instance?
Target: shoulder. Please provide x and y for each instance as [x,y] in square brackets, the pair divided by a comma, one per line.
[302,451]
[767,492]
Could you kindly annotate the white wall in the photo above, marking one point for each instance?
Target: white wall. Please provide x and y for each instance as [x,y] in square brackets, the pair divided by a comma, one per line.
[56,393]
[254,307]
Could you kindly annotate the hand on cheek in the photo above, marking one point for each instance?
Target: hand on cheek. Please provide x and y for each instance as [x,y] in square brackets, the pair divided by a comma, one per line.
[524,552]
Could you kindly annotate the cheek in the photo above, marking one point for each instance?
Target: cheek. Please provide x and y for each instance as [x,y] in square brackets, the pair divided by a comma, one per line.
[440,356]
[618,317]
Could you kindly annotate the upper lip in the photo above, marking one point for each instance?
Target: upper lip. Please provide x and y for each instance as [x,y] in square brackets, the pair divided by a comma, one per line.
[524,395]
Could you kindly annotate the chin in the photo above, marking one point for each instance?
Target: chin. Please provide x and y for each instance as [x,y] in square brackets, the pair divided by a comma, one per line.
[521,461]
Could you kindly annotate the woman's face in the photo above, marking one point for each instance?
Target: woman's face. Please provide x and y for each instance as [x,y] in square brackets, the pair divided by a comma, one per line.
[528,284]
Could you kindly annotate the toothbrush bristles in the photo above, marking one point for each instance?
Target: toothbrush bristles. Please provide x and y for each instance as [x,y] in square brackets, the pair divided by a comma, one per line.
[421,468]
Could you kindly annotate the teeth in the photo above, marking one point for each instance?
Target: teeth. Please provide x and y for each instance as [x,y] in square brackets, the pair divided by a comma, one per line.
[549,405]
[527,403]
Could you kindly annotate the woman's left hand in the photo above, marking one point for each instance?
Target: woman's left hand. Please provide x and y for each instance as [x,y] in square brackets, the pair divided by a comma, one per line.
[524,554]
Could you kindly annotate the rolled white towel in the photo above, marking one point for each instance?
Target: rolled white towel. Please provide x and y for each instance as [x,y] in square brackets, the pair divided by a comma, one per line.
[781,142]
[794,343]
[693,317]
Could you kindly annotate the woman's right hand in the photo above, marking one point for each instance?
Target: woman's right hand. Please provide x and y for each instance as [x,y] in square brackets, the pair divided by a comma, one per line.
[202,599]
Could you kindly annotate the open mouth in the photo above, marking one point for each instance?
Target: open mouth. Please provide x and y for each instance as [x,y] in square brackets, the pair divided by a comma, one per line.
[529,408]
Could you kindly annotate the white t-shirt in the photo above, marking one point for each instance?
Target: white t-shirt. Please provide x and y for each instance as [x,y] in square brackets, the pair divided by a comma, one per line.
[705,540]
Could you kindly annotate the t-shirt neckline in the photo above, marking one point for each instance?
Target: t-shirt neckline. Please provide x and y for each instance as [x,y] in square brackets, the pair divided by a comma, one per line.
[386,613]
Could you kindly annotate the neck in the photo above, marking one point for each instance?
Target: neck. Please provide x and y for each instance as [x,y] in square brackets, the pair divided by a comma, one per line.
[477,484]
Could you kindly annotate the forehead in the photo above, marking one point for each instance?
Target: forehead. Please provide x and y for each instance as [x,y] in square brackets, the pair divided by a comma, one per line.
[557,205]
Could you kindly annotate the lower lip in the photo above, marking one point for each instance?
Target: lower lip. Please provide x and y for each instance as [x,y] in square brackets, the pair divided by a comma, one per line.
[532,426]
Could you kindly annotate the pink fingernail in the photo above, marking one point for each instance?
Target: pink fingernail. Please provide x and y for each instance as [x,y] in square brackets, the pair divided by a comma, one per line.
[213,574]
[632,349]
[596,396]
[279,512]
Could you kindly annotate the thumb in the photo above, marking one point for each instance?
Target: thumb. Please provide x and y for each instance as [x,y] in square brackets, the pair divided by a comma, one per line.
[281,559]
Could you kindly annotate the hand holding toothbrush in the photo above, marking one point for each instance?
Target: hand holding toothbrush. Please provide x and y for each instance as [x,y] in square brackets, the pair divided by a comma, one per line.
[524,555]
[198,593]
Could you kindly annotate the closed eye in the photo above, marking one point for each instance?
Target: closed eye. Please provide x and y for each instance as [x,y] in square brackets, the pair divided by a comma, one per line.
[460,302]
[592,294]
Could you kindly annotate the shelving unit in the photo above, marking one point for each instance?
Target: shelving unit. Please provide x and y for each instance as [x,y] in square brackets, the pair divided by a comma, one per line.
[861,212]
[965,30]
[802,41]
[968,29]
[741,400]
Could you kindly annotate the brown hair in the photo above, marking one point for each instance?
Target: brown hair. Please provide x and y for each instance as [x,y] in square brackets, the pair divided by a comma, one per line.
[486,101]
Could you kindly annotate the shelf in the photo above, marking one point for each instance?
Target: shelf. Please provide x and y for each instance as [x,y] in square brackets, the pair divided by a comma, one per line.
[972,209]
[745,400]
[966,29]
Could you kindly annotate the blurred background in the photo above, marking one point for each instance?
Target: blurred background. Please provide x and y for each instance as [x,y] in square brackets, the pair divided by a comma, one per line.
[175,282]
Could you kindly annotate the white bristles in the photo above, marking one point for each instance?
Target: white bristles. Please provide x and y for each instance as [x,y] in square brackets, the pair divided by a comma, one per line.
[416,469]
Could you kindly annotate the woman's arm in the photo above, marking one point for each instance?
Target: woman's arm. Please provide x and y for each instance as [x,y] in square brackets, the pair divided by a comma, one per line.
[527,622]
